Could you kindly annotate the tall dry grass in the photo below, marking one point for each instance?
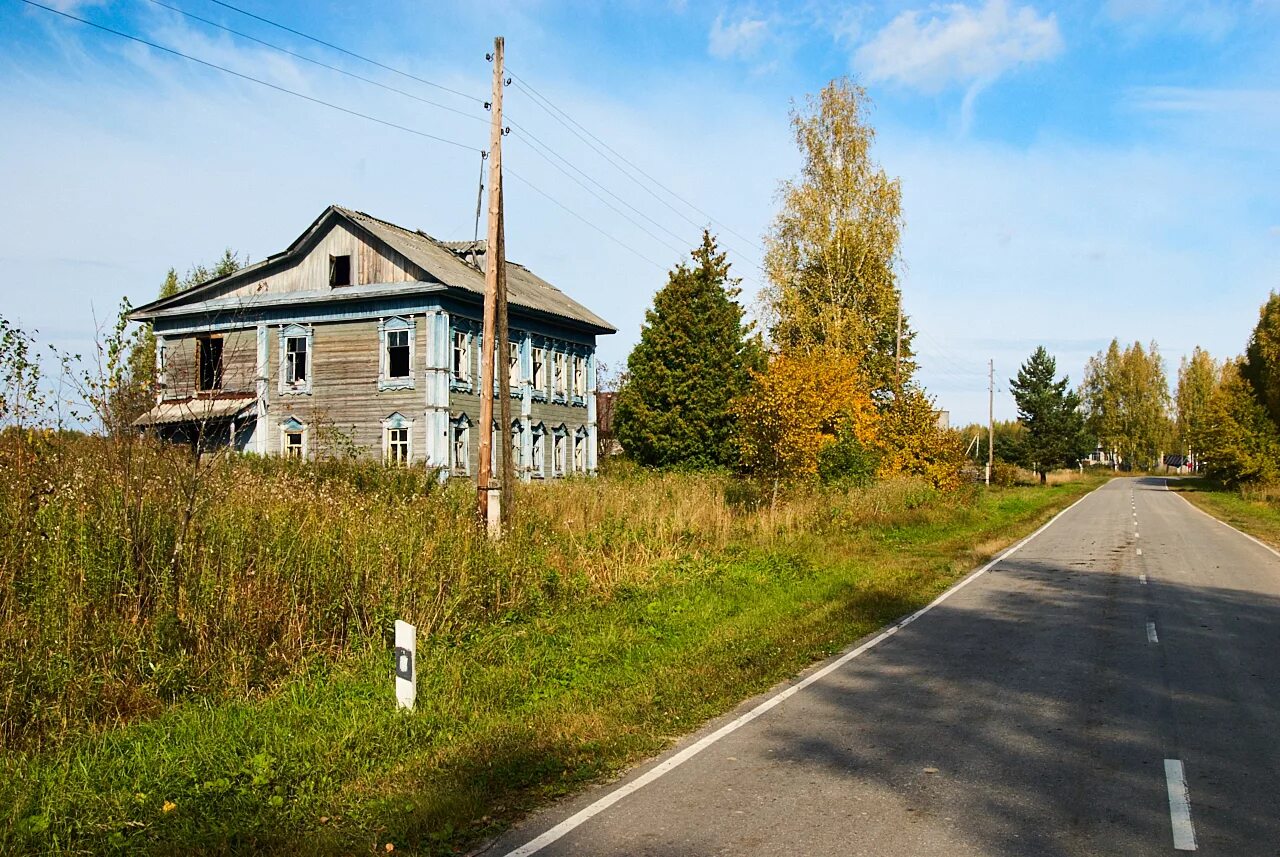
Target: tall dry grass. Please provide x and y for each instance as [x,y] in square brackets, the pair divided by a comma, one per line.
[130,578]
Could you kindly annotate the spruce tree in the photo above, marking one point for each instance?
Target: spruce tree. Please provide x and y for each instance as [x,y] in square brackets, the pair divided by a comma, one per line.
[1051,413]
[694,356]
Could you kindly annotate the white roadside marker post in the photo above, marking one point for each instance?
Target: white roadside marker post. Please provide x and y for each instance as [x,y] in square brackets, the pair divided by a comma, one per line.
[406,665]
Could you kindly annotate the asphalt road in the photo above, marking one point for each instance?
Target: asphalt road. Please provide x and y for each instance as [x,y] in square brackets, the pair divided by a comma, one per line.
[1051,706]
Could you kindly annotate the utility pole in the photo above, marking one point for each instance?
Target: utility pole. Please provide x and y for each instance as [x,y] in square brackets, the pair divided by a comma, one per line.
[991,417]
[493,264]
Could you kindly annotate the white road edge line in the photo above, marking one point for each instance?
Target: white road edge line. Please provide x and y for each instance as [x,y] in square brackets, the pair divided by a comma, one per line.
[587,813]
[1257,542]
[1151,633]
[1184,832]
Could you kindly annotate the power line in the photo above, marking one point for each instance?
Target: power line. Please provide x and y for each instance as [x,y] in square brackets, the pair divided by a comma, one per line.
[575,127]
[529,139]
[308,59]
[566,208]
[258,81]
[350,112]
[342,50]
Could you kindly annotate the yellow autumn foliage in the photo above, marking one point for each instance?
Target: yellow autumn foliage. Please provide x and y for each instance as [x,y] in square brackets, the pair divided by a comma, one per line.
[795,407]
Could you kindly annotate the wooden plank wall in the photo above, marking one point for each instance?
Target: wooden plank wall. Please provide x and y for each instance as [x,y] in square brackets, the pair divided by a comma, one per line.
[345,405]
[239,364]
[373,262]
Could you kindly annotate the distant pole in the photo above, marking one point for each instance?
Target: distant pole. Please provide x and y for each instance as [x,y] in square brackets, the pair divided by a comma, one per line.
[991,417]
[475,235]
[484,473]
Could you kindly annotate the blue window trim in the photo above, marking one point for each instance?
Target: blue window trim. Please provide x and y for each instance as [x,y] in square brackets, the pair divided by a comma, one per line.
[386,382]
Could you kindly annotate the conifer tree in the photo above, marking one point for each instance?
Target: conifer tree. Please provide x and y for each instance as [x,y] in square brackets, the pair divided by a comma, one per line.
[1261,366]
[694,356]
[1051,412]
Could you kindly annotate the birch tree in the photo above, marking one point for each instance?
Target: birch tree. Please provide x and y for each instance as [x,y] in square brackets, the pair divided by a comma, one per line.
[832,251]
[1197,377]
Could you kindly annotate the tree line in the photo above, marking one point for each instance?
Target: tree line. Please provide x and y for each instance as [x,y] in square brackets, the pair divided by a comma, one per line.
[831,394]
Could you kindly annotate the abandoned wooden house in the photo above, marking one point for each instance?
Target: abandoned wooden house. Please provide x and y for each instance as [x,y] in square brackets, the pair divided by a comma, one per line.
[365,337]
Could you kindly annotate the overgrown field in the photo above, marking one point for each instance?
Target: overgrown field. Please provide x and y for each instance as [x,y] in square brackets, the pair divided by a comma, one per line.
[198,660]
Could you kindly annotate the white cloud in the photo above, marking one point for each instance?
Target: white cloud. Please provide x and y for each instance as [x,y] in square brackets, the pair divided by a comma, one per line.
[958,44]
[1235,118]
[742,37]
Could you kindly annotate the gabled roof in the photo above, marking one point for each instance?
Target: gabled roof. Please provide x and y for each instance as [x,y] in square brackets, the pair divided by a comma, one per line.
[447,263]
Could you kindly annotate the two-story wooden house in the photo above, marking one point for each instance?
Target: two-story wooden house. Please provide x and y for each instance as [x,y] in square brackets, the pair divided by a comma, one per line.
[363,336]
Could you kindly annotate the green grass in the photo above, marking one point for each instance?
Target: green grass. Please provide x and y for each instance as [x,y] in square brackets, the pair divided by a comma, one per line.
[543,698]
[1252,509]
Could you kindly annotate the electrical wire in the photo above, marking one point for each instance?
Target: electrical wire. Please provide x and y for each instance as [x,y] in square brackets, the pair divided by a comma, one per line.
[316,62]
[579,130]
[251,79]
[349,53]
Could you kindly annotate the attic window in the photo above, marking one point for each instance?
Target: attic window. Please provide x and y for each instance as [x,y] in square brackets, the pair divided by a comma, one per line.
[339,271]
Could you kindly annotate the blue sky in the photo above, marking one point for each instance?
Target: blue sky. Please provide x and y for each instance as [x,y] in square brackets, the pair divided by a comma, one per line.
[1070,173]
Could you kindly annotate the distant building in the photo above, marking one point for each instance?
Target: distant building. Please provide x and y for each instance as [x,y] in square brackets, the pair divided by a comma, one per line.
[944,419]
[366,336]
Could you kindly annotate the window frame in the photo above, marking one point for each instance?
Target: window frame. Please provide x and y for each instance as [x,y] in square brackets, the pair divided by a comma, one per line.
[219,372]
[580,438]
[578,379]
[333,270]
[559,452]
[538,371]
[387,326]
[305,333]
[396,422]
[460,424]
[559,377]
[517,445]
[538,451]
[295,426]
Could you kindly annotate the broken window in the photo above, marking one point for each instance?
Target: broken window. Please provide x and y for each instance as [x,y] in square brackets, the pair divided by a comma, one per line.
[540,371]
[513,365]
[293,444]
[295,360]
[339,271]
[210,363]
[539,452]
[397,354]
[580,452]
[558,374]
[461,452]
[559,453]
[579,377]
[461,357]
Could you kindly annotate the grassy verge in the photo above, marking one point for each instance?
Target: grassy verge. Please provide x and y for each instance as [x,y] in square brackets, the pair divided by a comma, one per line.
[1254,510]
[547,696]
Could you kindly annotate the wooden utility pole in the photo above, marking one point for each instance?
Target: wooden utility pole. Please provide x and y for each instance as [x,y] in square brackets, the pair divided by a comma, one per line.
[506,468]
[493,265]
[991,417]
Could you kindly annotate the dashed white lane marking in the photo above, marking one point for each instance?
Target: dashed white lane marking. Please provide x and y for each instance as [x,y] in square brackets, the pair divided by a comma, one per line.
[1151,633]
[1142,578]
[1184,832]
[1139,551]
[592,810]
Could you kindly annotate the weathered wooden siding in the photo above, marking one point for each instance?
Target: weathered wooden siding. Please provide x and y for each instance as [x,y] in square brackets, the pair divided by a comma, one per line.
[549,414]
[239,364]
[345,404]
[372,262]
